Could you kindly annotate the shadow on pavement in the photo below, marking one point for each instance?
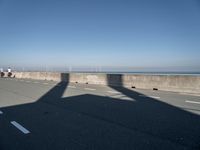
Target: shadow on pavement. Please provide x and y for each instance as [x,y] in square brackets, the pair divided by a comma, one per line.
[100,122]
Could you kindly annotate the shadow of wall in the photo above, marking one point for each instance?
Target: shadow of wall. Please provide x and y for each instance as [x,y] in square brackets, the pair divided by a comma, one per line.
[64,77]
[114,79]
[95,120]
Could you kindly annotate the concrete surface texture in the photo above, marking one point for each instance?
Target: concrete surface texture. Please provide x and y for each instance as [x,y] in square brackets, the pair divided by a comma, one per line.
[49,115]
[176,83]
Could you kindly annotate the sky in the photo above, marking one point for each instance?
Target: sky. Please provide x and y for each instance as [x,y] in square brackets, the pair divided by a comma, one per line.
[146,34]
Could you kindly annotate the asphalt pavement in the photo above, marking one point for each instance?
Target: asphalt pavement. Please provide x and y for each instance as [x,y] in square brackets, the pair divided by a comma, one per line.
[49,115]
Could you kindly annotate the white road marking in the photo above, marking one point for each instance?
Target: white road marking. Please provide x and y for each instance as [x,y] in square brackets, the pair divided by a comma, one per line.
[72,87]
[45,83]
[122,97]
[193,102]
[90,89]
[1,112]
[192,94]
[20,127]
[36,82]
[115,92]
[128,98]
[156,97]
[142,95]
[116,96]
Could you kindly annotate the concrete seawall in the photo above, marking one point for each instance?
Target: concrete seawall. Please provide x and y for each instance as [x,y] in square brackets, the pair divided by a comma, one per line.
[175,83]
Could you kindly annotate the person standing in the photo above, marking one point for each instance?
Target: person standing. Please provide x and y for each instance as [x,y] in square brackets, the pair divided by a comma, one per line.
[2,73]
[9,72]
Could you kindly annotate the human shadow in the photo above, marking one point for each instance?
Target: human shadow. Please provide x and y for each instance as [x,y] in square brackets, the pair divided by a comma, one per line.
[89,121]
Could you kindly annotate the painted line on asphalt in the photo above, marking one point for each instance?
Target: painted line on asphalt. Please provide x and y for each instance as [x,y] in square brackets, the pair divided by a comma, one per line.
[156,97]
[193,102]
[46,83]
[90,89]
[142,95]
[20,127]
[1,112]
[190,94]
[73,87]
[35,82]
[114,92]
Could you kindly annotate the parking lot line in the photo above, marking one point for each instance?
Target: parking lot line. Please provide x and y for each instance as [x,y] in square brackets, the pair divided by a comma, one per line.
[20,127]
[46,83]
[156,97]
[90,89]
[193,102]
[114,92]
[72,87]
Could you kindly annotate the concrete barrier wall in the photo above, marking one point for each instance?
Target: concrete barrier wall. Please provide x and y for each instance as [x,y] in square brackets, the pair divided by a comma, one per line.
[176,83]
[88,78]
[31,75]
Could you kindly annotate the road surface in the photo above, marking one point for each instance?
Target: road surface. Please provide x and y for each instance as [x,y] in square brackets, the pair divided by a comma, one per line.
[47,115]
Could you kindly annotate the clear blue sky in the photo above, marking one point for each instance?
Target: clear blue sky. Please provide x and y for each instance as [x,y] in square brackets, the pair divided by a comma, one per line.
[141,33]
